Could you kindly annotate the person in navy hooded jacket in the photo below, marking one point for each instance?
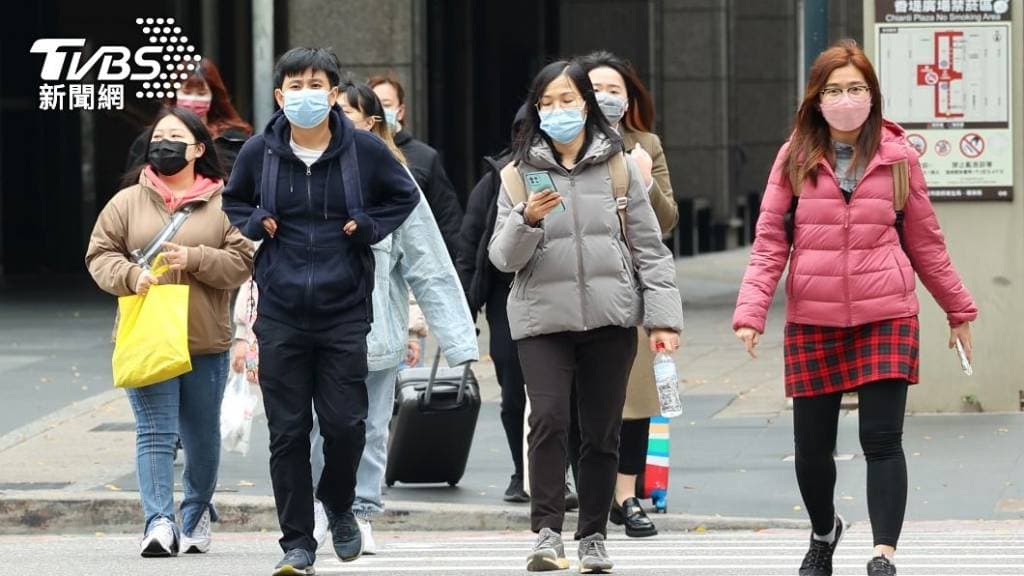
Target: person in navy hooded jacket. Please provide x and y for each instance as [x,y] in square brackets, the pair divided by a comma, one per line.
[318,193]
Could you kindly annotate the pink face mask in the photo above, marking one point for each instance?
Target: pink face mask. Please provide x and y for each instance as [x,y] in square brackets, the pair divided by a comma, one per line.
[846,115]
[199,105]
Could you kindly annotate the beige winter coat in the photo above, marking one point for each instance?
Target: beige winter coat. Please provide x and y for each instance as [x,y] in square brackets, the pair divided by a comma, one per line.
[642,395]
[219,258]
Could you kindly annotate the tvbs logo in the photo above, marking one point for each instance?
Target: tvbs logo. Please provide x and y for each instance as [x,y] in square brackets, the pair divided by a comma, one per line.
[161,66]
[115,62]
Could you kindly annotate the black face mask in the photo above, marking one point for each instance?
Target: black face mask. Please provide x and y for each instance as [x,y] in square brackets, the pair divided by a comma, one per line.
[168,156]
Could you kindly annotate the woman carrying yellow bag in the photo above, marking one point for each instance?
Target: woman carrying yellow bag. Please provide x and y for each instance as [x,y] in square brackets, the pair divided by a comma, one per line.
[206,260]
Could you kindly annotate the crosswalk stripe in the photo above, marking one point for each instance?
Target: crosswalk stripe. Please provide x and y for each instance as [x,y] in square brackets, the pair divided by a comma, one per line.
[786,568]
[626,558]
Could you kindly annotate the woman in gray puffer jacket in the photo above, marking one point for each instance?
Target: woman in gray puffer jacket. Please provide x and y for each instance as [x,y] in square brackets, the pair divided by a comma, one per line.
[582,285]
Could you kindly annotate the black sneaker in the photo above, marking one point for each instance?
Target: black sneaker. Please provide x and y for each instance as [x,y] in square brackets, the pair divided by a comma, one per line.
[881,566]
[515,492]
[572,500]
[818,560]
[296,562]
[348,542]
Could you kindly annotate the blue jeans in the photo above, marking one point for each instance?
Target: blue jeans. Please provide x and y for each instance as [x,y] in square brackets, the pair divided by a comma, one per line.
[189,406]
[380,387]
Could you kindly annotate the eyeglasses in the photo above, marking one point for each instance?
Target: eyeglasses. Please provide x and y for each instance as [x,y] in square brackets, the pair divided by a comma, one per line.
[575,104]
[856,93]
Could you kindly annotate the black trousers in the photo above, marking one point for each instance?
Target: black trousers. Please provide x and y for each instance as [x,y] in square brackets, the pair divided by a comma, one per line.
[815,421]
[326,369]
[510,374]
[632,444]
[600,361]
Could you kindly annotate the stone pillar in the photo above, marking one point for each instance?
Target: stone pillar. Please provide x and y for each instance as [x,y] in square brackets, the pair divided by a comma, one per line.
[694,99]
[763,87]
[369,38]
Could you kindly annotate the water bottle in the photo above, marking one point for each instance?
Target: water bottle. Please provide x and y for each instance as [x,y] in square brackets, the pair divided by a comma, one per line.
[667,381]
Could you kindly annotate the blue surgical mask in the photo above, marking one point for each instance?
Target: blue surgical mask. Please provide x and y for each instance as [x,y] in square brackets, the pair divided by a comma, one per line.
[306,108]
[612,106]
[563,125]
[391,116]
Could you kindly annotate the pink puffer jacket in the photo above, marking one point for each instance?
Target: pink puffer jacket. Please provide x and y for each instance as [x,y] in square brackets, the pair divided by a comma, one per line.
[847,266]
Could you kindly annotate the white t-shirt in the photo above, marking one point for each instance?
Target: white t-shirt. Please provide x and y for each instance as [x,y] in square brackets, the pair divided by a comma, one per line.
[307,155]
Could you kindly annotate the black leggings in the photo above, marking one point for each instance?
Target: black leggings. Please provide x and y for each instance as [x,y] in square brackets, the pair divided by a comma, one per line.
[815,422]
[510,374]
[633,446]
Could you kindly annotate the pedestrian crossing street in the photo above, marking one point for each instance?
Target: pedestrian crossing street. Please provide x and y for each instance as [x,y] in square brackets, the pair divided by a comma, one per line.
[766,553]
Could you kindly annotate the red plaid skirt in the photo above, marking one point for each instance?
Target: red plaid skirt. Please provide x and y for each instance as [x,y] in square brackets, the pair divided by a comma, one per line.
[824,360]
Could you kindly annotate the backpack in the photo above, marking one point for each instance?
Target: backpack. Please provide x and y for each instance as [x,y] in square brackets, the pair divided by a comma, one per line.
[515,186]
[900,193]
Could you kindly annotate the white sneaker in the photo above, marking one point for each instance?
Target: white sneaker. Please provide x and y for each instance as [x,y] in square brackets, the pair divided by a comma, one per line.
[161,540]
[199,541]
[320,523]
[366,531]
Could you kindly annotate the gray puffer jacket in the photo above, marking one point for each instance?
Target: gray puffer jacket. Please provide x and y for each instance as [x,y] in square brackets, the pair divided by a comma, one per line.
[574,271]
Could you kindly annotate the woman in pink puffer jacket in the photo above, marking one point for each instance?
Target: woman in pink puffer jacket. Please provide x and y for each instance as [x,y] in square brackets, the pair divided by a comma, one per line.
[851,308]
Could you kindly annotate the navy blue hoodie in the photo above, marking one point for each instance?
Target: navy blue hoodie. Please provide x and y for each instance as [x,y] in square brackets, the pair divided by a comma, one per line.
[310,274]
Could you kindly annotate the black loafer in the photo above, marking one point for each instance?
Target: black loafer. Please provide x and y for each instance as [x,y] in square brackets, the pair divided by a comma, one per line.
[632,515]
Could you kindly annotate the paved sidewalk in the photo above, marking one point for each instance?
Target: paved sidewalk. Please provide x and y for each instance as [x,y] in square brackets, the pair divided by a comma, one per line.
[69,465]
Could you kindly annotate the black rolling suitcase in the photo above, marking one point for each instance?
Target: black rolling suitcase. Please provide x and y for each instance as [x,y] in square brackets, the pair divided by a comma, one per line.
[433,424]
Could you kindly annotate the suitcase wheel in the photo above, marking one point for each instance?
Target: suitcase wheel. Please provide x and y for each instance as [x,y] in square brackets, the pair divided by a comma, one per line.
[453,483]
[389,484]
[660,501]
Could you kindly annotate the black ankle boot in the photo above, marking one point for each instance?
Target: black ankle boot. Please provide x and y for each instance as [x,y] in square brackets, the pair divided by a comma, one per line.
[632,515]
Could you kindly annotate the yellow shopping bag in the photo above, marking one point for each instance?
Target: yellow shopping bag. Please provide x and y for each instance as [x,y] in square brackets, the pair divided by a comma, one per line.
[152,335]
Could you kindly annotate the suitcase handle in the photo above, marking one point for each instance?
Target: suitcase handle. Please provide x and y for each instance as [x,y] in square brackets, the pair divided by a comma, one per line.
[433,377]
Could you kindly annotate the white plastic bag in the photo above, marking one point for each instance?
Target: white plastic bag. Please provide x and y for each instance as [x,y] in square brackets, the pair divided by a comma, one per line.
[236,413]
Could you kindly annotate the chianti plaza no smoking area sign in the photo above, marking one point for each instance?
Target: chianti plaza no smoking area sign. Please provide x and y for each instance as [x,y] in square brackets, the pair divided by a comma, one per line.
[945,74]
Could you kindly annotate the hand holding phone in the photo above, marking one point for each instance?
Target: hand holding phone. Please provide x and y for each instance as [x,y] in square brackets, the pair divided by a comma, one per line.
[543,197]
[961,341]
[965,364]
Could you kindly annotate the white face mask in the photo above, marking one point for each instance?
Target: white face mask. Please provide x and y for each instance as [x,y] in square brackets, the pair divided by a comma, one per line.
[612,106]
[391,115]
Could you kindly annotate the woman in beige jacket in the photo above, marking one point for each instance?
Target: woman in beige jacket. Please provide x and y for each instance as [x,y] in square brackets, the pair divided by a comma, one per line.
[627,105]
[210,256]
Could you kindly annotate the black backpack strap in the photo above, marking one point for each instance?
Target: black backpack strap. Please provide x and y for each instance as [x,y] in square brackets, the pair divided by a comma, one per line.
[268,181]
[349,160]
[789,219]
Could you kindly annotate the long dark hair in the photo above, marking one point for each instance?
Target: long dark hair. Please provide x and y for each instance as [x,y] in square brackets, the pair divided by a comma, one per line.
[222,115]
[363,98]
[207,165]
[811,139]
[640,116]
[530,130]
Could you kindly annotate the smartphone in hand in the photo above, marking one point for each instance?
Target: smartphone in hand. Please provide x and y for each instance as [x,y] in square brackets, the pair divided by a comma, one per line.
[965,364]
[537,182]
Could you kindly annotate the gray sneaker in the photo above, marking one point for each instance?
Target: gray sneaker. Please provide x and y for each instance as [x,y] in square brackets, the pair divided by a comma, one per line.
[548,553]
[297,562]
[593,557]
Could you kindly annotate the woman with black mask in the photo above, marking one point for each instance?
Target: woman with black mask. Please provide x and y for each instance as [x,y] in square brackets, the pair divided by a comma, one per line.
[208,254]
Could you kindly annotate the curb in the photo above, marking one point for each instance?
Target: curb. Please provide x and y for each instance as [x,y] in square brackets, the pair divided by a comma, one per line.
[49,512]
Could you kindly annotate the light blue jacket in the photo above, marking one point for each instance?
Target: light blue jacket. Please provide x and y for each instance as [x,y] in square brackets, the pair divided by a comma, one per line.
[414,256]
